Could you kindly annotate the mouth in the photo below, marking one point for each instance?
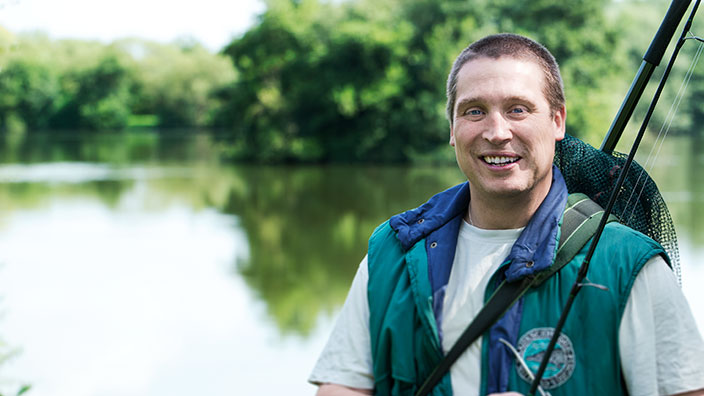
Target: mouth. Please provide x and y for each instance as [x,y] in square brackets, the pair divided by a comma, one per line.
[498,160]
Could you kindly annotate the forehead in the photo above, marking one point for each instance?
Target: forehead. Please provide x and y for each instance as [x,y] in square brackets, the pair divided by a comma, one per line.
[500,77]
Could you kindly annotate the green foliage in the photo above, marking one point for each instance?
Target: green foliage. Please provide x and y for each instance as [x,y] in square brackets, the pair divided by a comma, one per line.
[71,84]
[95,97]
[103,97]
[326,81]
[339,90]
[364,81]
[27,96]
[143,121]
[177,83]
[296,275]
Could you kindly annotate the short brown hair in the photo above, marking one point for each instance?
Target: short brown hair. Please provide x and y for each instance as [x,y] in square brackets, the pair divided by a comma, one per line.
[514,46]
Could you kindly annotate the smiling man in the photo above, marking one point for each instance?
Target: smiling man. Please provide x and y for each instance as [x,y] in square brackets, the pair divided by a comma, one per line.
[504,132]
[430,270]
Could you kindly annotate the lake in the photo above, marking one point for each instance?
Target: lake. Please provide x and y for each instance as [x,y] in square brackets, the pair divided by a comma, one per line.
[134,264]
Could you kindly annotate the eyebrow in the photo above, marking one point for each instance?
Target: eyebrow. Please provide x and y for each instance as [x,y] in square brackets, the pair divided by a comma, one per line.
[474,100]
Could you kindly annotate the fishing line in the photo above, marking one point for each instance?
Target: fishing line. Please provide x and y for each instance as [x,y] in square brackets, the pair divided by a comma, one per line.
[667,123]
[693,37]
[665,128]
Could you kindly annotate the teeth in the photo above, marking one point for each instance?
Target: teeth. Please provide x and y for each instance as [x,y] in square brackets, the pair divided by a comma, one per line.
[499,160]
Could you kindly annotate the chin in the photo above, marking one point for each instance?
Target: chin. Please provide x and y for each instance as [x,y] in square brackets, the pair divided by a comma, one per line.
[508,192]
[510,185]
[503,191]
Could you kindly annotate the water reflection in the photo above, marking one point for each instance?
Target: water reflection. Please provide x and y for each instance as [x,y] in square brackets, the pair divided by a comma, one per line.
[678,168]
[121,300]
[149,268]
[128,265]
[307,230]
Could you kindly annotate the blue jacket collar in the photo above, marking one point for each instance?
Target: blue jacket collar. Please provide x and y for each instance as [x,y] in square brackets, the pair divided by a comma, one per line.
[533,251]
[416,224]
[535,248]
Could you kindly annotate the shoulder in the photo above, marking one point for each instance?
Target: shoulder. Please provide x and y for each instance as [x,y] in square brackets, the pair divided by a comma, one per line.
[623,238]
[617,228]
[620,256]
[620,244]
[415,224]
[384,238]
[382,231]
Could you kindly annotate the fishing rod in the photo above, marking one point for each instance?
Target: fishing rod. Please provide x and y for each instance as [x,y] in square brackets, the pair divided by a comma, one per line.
[651,60]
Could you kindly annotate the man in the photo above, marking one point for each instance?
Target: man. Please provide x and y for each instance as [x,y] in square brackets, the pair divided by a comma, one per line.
[430,270]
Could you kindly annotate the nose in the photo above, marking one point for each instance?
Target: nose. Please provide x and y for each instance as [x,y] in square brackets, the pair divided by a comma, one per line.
[497,130]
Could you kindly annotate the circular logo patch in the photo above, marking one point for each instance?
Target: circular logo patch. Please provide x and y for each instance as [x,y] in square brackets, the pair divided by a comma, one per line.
[532,346]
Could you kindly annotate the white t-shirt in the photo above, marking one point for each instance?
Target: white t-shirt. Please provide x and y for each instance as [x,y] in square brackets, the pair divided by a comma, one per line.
[662,352]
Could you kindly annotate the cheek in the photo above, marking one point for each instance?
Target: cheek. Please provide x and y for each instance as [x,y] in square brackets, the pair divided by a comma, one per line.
[547,152]
[464,137]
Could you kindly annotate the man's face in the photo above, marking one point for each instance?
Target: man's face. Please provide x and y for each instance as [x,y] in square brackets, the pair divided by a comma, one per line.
[503,131]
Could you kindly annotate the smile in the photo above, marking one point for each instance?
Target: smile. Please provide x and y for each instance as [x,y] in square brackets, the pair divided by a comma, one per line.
[499,161]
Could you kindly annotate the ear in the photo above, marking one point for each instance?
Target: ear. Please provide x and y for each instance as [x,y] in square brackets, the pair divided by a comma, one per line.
[558,120]
[452,135]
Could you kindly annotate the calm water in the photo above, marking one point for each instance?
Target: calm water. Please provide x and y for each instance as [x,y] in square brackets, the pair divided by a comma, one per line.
[133,265]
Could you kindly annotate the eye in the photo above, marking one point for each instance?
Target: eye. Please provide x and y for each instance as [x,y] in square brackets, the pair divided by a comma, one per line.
[518,111]
[474,112]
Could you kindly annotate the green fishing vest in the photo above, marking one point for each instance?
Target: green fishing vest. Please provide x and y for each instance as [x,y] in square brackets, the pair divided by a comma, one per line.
[404,335]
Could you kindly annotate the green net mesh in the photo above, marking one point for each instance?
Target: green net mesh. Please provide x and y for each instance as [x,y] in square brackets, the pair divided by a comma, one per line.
[639,204]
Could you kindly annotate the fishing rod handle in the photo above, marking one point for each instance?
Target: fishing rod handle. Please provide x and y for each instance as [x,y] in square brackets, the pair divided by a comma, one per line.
[666,31]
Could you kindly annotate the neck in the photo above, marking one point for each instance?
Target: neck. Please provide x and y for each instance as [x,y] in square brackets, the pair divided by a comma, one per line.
[504,212]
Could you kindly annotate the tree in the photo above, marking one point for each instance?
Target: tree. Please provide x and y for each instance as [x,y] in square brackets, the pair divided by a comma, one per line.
[364,81]
[100,98]
[178,83]
[72,84]
[27,94]
[320,83]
